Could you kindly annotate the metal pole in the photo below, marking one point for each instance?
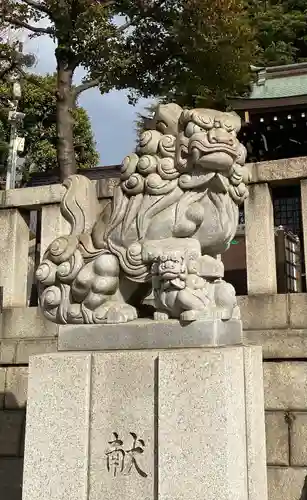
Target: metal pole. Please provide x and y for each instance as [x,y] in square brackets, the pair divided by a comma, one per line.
[12,158]
[14,118]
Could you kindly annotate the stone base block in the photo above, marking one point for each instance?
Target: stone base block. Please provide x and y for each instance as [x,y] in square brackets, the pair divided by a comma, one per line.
[149,334]
[170,425]
[287,483]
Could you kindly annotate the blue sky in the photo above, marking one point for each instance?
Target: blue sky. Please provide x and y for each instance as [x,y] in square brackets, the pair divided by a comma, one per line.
[112,118]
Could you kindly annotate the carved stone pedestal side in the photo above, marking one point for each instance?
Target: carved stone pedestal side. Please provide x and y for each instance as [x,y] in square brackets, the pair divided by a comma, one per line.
[170,424]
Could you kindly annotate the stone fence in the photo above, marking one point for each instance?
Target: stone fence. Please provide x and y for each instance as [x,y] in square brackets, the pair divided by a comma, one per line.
[30,219]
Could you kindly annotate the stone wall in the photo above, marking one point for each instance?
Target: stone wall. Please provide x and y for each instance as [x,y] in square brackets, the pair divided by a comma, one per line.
[277,322]
[23,332]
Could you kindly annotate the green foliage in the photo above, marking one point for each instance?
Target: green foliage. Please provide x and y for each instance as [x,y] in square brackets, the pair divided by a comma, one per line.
[280,30]
[38,102]
[191,51]
[11,59]
[172,48]
[3,143]
[195,52]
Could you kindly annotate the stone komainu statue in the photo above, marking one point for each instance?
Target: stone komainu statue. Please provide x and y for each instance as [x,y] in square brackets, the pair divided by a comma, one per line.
[173,212]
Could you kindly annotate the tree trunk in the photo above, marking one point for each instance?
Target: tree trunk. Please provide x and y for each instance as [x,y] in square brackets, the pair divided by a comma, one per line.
[65,122]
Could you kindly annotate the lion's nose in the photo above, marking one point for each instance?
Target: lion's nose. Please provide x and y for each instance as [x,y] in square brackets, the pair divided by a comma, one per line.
[220,136]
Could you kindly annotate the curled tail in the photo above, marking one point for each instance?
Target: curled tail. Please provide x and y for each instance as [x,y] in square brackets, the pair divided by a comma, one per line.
[67,255]
[80,206]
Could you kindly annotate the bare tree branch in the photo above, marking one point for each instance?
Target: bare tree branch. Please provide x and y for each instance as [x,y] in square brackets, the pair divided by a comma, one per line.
[37,6]
[107,3]
[125,26]
[86,86]
[34,29]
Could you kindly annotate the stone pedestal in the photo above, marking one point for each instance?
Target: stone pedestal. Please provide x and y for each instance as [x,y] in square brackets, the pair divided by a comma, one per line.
[172,424]
[149,334]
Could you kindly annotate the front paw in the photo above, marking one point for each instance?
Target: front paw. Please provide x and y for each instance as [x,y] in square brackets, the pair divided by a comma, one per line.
[195,315]
[161,315]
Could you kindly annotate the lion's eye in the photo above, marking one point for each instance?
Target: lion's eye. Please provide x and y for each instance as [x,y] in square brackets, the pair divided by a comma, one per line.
[191,129]
[206,121]
[228,126]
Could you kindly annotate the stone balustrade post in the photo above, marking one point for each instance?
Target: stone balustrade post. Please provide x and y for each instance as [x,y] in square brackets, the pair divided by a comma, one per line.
[53,225]
[260,241]
[304,219]
[14,251]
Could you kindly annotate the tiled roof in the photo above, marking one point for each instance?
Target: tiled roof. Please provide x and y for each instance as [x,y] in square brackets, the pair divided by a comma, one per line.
[283,86]
[278,82]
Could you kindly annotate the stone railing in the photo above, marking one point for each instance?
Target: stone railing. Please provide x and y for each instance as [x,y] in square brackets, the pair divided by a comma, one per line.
[259,220]
[30,219]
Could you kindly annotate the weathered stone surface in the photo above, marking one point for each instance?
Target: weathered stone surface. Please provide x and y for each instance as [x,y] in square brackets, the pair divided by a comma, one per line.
[16,387]
[26,348]
[277,438]
[144,334]
[167,398]
[7,351]
[105,187]
[298,439]
[277,170]
[199,451]
[202,428]
[298,310]
[10,478]
[274,311]
[10,432]
[38,196]
[57,434]
[303,186]
[280,344]
[2,385]
[175,207]
[285,385]
[255,423]
[285,483]
[32,197]
[260,242]
[25,322]
[123,399]
[14,249]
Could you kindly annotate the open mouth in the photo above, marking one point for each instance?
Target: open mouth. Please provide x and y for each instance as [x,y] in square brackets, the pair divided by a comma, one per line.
[169,275]
[200,149]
